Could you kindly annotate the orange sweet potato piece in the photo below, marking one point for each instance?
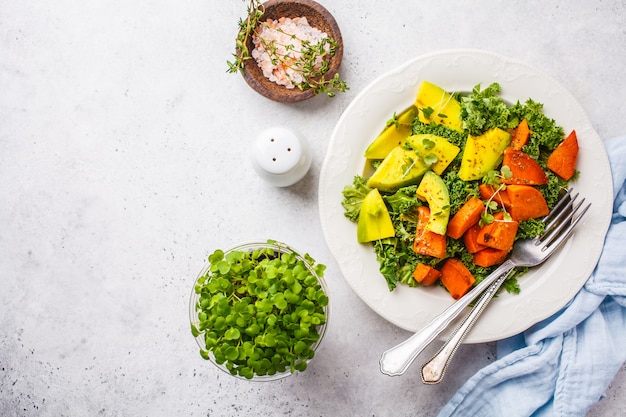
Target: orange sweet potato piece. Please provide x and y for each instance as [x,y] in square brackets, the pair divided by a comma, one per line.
[499,234]
[470,238]
[465,217]
[427,242]
[487,191]
[489,257]
[426,274]
[456,278]
[526,202]
[562,160]
[525,169]
[521,134]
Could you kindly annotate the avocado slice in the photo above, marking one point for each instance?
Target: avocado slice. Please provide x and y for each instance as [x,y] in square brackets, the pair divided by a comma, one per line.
[483,153]
[401,167]
[374,221]
[438,106]
[433,190]
[425,144]
[393,135]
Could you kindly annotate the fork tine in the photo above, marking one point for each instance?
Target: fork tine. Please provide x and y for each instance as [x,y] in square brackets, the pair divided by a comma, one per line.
[561,235]
[565,210]
[563,201]
[556,226]
[566,214]
[562,210]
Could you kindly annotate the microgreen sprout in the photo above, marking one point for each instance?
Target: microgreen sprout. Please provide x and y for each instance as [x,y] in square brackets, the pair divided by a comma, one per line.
[449,98]
[506,172]
[494,179]
[260,311]
[428,144]
[393,121]
[430,159]
[428,111]
[406,168]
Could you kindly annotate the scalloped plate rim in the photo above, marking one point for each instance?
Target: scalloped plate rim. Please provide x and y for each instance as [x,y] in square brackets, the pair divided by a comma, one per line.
[411,308]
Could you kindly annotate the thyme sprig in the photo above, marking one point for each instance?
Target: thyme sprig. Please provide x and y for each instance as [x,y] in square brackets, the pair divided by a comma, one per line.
[311,61]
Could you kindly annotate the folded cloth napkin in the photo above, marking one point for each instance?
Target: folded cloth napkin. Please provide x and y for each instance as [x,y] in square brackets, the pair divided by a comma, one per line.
[562,365]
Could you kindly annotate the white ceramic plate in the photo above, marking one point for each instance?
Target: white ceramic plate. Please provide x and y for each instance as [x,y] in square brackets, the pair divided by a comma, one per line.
[545,289]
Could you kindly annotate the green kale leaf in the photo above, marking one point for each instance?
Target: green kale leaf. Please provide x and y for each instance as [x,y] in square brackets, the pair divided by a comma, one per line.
[353,196]
[484,110]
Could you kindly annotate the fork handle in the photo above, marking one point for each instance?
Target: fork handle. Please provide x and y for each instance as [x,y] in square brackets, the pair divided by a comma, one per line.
[397,360]
[433,370]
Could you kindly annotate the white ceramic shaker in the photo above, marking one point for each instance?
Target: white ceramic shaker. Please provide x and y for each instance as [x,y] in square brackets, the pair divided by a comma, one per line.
[281,156]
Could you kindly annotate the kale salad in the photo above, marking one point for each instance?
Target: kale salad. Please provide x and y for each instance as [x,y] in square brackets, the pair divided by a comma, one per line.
[393,224]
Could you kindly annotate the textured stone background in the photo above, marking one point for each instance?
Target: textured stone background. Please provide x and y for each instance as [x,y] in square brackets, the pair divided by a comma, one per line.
[123,165]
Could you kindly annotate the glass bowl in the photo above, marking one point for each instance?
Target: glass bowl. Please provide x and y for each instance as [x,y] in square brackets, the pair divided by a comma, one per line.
[259,310]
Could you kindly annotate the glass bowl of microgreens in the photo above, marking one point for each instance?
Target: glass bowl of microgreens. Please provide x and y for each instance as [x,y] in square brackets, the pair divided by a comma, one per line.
[259,310]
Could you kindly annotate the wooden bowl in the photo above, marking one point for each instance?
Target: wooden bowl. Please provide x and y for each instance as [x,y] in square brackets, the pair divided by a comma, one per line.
[318,17]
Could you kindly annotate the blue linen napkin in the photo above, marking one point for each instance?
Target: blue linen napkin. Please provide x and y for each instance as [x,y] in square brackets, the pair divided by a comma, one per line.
[564,364]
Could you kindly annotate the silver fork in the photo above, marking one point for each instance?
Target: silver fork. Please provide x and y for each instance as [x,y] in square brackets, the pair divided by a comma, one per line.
[526,253]
[432,372]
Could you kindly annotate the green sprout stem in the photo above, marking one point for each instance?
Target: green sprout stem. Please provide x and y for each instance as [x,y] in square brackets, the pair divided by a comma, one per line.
[494,178]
